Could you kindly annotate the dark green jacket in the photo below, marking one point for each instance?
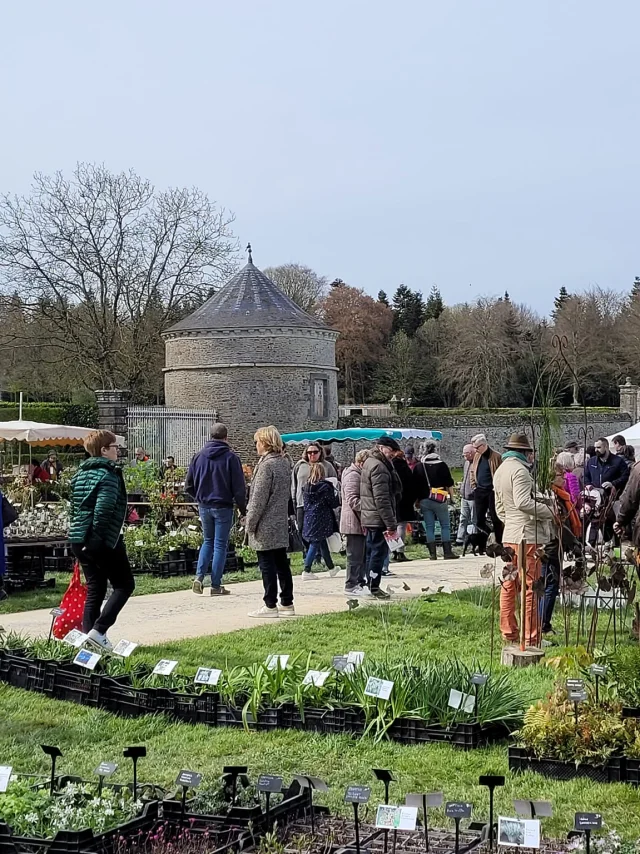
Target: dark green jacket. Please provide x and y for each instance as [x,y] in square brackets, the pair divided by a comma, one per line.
[98,504]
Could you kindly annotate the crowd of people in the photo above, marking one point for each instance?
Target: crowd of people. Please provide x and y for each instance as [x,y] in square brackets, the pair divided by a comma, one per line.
[368,506]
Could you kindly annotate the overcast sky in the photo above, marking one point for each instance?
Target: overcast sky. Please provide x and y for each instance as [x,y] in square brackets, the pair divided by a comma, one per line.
[482,145]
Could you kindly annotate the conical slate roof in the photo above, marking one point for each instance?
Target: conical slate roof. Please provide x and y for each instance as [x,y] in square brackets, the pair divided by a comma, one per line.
[249,299]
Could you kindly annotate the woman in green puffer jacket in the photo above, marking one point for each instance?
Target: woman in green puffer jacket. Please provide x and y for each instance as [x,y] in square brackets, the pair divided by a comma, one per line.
[98,511]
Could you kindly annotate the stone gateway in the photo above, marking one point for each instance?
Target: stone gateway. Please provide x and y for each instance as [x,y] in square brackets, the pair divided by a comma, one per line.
[256,357]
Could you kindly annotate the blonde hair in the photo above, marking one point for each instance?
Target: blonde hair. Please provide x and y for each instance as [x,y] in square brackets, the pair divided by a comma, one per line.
[316,473]
[361,456]
[270,440]
[96,441]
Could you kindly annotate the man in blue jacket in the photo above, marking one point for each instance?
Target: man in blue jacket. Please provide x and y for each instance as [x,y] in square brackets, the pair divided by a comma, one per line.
[216,480]
[609,472]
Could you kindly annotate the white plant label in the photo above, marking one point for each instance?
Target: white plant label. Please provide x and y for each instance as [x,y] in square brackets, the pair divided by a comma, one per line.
[460,700]
[139,544]
[518,832]
[75,638]
[273,661]
[165,667]
[88,659]
[379,688]
[124,648]
[354,660]
[5,776]
[316,677]
[207,676]
[396,818]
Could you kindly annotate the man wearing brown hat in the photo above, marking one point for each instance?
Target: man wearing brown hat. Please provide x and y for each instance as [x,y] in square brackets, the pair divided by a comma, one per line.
[380,489]
[524,519]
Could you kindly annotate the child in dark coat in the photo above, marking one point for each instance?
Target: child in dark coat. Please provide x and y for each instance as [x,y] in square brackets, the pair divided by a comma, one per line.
[320,500]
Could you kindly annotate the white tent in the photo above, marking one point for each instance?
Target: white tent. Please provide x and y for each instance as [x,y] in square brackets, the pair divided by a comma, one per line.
[631,436]
[45,435]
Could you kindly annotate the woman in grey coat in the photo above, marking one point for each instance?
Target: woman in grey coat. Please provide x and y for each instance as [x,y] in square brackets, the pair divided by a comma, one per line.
[267,523]
[351,527]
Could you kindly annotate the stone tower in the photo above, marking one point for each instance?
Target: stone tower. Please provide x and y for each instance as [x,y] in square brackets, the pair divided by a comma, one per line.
[257,358]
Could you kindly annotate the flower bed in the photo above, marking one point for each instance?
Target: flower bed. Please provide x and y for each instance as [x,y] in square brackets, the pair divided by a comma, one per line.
[613,770]
[259,697]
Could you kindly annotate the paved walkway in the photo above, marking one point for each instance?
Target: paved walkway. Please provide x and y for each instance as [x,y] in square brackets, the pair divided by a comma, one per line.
[161,617]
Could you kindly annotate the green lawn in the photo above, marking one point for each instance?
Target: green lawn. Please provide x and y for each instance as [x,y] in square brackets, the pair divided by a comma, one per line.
[456,625]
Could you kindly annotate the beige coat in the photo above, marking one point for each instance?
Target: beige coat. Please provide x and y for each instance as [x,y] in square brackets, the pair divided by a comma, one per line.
[523,517]
[268,509]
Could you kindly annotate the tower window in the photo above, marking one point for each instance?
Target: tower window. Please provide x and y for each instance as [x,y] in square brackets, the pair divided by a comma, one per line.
[319,398]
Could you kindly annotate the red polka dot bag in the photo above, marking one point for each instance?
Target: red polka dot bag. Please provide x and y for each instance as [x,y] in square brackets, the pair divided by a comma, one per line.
[73,604]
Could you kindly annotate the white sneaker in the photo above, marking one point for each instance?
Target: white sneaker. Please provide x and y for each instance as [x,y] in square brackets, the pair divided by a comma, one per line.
[100,640]
[265,612]
[286,611]
[309,576]
[365,592]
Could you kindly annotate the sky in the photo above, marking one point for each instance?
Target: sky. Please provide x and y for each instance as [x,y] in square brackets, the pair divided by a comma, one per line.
[480,145]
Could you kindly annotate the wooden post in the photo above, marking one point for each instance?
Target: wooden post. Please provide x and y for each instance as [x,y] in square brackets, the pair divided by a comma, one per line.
[522,566]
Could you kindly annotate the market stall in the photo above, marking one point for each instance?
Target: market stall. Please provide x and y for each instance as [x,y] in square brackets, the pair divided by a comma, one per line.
[359,434]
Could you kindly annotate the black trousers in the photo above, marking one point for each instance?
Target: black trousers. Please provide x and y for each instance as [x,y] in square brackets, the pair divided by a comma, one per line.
[275,567]
[99,568]
[486,504]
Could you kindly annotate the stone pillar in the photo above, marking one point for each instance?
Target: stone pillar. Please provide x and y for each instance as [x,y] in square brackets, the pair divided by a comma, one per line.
[112,410]
[629,399]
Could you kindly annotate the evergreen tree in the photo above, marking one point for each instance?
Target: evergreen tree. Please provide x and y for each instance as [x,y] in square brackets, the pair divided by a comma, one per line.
[435,305]
[408,310]
[559,302]
[635,290]
[383,298]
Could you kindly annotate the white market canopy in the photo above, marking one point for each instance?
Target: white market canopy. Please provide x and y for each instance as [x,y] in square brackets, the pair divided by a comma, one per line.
[41,435]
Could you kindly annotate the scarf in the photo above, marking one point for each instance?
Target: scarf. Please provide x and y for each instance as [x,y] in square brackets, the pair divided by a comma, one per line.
[516,455]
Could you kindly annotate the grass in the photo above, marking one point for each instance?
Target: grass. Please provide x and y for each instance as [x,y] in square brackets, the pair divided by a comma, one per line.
[87,737]
[432,627]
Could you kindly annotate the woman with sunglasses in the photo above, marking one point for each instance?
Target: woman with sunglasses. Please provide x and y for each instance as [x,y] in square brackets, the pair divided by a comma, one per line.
[313,453]
[98,510]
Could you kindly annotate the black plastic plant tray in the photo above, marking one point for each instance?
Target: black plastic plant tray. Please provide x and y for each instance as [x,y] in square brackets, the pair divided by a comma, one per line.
[74,842]
[465,735]
[611,772]
[77,685]
[207,705]
[121,699]
[632,771]
[229,715]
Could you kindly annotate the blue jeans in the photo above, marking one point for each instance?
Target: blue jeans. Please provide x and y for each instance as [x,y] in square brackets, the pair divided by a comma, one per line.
[432,510]
[216,527]
[377,553]
[313,551]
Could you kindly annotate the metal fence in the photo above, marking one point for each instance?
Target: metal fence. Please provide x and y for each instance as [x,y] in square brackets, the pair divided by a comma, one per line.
[163,431]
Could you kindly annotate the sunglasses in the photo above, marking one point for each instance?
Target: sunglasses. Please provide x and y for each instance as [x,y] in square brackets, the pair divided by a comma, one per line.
[314,453]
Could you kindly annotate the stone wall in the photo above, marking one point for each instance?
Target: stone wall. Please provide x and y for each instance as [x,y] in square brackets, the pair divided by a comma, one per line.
[459,428]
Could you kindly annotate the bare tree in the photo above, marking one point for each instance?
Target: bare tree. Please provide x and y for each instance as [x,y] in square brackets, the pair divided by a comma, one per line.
[108,263]
[301,284]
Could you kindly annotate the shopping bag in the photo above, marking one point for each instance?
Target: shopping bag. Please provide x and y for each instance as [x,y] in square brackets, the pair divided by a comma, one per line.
[295,540]
[73,604]
[335,543]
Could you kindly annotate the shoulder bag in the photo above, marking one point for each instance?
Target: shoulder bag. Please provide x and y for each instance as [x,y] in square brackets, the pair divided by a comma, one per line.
[439,495]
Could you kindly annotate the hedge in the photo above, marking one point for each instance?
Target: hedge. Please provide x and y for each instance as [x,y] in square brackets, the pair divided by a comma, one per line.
[77,415]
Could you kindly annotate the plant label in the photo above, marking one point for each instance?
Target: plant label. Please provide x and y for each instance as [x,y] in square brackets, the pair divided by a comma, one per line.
[460,700]
[139,544]
[588,821]
[434,799]
[458,809]
[189,779]
[275,661]
[165,667]
[75,638]
[57,612]
[577,696]
[598,669]
[88,659]
[378,688]
[306,781]
[124,648]
[491,780]
[396,818]
[357,795]
[192,527]
[316,677]
[533,809]
[269,783]
[5,777]
[106,769]
[340,663]
[575,685]
[479,679]
[207,676]
[355,658]
[518,832]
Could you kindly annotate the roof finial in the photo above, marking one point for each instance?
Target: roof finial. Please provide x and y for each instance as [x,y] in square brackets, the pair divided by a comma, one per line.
[249,251]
